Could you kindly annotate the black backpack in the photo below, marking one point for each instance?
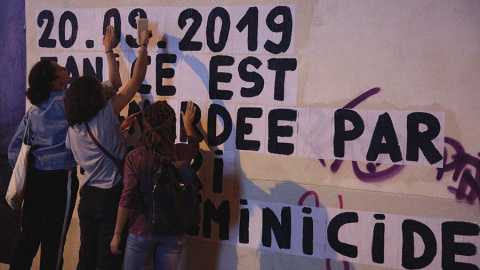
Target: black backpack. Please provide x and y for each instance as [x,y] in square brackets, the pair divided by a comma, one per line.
[174,203]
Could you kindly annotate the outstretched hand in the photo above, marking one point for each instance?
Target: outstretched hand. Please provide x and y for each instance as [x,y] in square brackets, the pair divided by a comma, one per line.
[129,121]
[108,37]
[189,114]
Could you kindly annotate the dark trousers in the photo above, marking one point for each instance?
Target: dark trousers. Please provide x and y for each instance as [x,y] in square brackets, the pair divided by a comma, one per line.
[47,211]
[98,213]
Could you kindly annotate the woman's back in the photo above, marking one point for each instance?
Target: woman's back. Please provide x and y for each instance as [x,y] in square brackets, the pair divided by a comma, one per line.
[47,128]
[100,170]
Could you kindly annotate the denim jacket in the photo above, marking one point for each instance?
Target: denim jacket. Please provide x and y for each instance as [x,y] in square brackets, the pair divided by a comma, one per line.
[47,129]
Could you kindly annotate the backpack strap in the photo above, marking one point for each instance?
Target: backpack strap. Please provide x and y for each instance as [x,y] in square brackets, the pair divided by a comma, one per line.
[118,162]
[27,128]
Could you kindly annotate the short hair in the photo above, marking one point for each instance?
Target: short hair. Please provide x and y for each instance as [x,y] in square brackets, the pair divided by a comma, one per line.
[83,100]
[159,134]
[40,81]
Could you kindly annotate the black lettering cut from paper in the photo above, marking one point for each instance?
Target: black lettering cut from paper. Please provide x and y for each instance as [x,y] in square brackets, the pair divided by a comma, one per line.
[409,261]
[132,21]
[186,44]
[384,130]
[222,14]
[214,111]
[244,128]
[117,24]
[342,135]
[220,215]
[417,140]
[165,73]
[275,131]
[67,16]
[216,77]
[332,234]
[282,230]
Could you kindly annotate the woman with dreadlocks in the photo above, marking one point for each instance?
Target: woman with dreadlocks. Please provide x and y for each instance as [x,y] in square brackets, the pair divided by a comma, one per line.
[158,145]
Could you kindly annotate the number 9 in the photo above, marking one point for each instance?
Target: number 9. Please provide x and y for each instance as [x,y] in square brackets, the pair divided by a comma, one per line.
[285,27]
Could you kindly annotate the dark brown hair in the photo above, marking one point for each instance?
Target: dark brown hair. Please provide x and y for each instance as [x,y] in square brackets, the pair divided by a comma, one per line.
[40,81]
[83,100]
[159,134]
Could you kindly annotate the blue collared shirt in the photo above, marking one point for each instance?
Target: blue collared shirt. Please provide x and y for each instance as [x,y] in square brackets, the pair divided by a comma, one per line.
[46,134]
[100,170]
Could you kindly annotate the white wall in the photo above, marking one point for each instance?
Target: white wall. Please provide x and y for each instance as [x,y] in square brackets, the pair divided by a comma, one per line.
[423,55]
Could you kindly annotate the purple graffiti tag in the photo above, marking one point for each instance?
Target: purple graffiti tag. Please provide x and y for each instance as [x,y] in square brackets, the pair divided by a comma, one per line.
[322,161]
[459,150]
[373,175]
[308,193]
[352,104]
[466,181]
[459,163]
[346,266]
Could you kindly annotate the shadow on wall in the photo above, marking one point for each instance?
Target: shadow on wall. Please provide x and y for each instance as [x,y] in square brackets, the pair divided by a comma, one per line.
[266,234]
[217,245]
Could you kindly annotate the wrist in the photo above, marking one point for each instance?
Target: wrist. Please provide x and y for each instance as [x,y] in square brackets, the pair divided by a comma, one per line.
[188,128]
[109,51]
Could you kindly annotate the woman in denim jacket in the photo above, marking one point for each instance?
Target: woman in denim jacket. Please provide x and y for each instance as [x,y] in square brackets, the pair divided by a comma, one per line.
[51,184]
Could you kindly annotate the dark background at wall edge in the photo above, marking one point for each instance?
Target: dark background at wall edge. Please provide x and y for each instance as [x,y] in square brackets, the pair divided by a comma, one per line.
[13,81]
[12,107]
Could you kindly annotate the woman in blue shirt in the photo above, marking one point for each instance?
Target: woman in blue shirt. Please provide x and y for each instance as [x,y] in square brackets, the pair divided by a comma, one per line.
[86,103]
[51,184]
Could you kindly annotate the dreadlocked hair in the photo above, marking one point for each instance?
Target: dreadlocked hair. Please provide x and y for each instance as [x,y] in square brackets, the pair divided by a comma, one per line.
[159,134]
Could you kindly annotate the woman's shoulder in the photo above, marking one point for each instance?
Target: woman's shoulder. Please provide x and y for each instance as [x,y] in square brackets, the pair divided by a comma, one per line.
[106,117]
[108,108]
[137,159]
[138,153]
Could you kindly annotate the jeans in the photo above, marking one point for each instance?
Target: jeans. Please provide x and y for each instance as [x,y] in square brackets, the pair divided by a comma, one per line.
[143,251]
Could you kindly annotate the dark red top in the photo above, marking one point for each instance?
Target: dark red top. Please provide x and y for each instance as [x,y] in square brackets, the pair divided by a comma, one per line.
[137,178]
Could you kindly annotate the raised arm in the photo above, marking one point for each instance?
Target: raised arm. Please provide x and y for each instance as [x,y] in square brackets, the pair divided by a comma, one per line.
[113,69]
[121,100]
